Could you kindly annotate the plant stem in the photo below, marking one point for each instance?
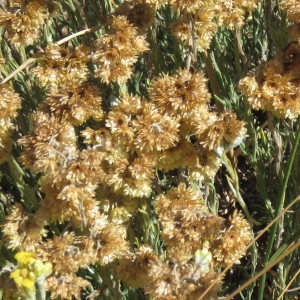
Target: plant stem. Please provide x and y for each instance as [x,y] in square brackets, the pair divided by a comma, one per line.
[279,207]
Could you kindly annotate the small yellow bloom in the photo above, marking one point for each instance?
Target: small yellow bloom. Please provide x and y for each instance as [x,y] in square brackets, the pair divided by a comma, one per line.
[28,272]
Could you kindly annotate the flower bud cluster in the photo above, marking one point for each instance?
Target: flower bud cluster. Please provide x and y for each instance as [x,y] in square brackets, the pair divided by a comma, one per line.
[30,271]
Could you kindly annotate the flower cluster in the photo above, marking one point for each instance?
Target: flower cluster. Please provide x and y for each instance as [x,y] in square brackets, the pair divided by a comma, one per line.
[198,243]
[24,22]
[118,50]
[172,129]
[199,20]
[274,86]
[9,105]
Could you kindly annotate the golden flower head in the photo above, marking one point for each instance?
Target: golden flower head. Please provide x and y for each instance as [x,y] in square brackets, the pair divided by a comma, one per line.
[292,7]
[67,253]
[155,131]
[49,146]
[29,271]
[61,65]
[66,286]
[206,167]
[121,128]
[275,86]
[132,177]
[232,244]
[203,29]
[23,231]
[110,243]
[140,15]
[232,13]
[182,155]
[117,51]
[133,269]
[180,93]
[189,6]
[20,29]
[10,104]
[76,103]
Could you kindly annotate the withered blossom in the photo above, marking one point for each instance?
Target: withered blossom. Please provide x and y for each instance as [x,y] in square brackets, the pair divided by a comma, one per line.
[197,29]
[131,177]
[67,253]
[207,164]
[232,245]
[23,25]
[292,7]
[155,131]
[49,146]
[180,93]
[117,51]
[76,103]
[22,230]
[139,14]
[121,128]
[182,155]
[133,269]
[220,131]
[61,65]
[9,105]
[275,86]
[110,243]
[200,20]
[66,286]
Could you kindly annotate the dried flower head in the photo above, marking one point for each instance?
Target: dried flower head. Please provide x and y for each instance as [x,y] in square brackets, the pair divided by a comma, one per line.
[110,243]
[189,6]
[22,230]
[67,253]
[61,66]
[9,105]
[75,104]
[49,146]
[180,93]
[117,51]
[140,15]
[66,286]
[207,164]
[134,268]
[155,131]
[199,29]
[24,24]
[232,12]
[132,176]
[234,241]
[275,86]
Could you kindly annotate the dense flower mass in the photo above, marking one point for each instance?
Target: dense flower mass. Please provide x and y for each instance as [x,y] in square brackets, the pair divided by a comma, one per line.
[114,165]
[61,66]
[200,20]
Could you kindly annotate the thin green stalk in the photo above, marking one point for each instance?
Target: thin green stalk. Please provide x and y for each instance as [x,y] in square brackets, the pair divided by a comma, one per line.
[279,207]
